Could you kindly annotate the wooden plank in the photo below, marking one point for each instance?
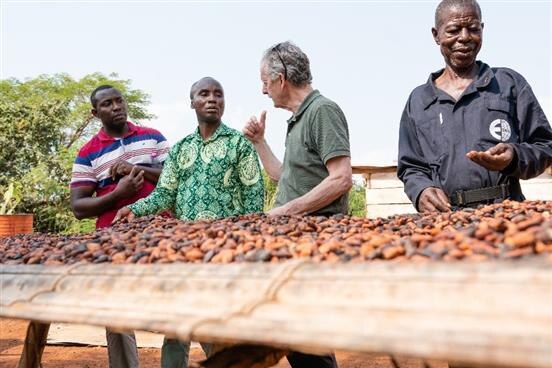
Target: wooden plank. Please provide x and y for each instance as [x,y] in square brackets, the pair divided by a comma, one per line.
[386,196]
[537,189]
[384,180]
[385,210]
[372,169]
[487,314]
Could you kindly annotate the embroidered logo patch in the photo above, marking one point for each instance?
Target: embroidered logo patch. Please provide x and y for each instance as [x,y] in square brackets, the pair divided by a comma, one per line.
[500,129]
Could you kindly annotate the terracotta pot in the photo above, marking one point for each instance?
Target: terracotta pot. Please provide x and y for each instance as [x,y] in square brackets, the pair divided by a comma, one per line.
[16,224]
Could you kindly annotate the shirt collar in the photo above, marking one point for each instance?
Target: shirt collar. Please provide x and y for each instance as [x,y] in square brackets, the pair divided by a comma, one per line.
[103,136]
[306,102]
[430,93]
[222,130]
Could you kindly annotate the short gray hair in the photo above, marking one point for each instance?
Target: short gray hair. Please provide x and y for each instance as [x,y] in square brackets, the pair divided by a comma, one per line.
[446,4]
[287,59]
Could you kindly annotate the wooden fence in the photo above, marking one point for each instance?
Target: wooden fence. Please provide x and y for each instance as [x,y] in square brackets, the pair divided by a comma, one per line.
[496,314]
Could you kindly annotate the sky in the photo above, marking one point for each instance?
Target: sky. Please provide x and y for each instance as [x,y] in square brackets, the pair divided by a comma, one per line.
[365,55]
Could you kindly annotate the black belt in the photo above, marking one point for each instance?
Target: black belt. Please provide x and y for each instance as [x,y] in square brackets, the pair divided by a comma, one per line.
[473,196]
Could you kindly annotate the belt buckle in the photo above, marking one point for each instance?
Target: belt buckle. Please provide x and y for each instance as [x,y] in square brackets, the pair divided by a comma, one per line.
[505,191]
[460,197]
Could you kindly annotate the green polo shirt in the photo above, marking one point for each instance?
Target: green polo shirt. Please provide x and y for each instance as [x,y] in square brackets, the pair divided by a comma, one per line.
[207,179]
[316,133]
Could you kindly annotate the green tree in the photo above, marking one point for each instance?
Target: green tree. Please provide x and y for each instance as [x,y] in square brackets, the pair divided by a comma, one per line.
[357,200]
[269,192]
[43,123]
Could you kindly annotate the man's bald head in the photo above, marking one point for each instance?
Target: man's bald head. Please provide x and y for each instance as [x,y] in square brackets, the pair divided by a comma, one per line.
[203,82]
[447,4]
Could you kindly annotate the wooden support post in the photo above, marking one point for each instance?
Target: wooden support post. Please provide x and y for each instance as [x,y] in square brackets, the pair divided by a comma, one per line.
[34,344]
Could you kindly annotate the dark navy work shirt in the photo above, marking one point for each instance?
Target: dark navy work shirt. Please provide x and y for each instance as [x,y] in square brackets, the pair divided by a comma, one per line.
[436,132]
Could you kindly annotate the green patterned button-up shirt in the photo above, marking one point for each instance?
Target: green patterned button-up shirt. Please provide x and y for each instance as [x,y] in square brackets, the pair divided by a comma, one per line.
[210,179]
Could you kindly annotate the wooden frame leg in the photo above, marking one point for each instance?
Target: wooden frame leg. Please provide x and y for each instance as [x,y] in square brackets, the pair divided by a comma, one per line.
[34,344]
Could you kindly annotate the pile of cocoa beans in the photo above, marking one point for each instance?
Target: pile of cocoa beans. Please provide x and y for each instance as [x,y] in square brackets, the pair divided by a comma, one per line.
[499,231]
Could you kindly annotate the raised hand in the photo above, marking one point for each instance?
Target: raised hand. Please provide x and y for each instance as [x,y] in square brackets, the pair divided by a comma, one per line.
[433,200]
[254,129]
[121,168]
[496,158]
[131,183]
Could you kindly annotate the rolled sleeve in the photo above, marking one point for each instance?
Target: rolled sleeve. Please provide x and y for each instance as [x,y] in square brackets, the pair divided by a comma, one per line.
[82,173]
[330,133]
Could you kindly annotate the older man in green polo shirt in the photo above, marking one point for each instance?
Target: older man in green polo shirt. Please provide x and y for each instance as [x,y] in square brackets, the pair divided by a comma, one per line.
[316,174]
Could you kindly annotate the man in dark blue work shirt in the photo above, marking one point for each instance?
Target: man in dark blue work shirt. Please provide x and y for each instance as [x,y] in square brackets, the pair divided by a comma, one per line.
[471,132]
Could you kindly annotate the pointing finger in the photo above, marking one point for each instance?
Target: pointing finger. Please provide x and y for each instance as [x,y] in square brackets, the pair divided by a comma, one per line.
[263,118]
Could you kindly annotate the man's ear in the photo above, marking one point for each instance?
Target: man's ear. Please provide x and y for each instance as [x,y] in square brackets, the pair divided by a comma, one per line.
[282,80]
[435,34]
[192,105]
[94,112]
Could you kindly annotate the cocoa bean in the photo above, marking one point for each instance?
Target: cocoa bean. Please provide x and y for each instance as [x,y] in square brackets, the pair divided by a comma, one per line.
[506,230]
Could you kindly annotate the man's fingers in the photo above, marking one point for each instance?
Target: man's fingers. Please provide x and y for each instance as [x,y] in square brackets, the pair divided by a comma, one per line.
[124,212]
[139,178]
[489,159]
[471,154]
[263,118]
[477,158]
[498,149]
[427,206]
[113,171]
[439,204]
[133,171]
[443,198]
[118,216]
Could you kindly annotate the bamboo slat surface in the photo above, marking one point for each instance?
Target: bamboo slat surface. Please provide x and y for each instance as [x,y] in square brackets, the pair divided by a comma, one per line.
[482,314]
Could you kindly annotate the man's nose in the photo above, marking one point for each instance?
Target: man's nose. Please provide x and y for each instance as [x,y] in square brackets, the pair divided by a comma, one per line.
[464,35]
[117,106]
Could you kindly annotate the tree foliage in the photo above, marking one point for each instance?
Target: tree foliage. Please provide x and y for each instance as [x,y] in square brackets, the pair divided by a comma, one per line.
[357,200]
[43,123]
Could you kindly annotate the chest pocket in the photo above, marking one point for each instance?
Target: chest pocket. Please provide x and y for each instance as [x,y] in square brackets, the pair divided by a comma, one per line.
[431,138]
[499,124]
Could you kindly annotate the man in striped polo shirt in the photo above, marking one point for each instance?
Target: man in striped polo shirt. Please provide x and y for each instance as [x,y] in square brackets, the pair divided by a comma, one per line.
[120,165]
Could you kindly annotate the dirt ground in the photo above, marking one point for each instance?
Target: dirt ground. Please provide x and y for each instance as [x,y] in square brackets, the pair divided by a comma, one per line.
[12,333]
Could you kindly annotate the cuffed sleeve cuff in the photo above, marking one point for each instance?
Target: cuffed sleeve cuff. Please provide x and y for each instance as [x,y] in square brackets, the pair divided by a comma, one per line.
[513,167]
[134,208]
[334,154]
[413,191]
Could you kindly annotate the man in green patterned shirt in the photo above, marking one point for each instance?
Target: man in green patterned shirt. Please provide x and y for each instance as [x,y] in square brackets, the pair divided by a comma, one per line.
[210,174]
